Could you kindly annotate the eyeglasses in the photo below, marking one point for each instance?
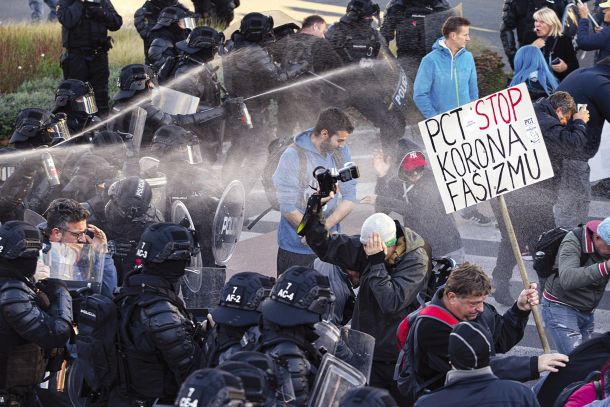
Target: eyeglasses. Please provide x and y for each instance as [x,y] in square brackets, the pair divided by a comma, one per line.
[76,235]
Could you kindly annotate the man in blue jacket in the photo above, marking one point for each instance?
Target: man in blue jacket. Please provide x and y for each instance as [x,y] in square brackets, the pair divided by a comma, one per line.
[447,76]
[324,145]
[599,40]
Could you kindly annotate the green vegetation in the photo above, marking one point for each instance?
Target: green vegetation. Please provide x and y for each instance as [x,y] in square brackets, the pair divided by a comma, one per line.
[30,71]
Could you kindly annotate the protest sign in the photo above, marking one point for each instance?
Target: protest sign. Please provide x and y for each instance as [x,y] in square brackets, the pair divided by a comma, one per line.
[486,148]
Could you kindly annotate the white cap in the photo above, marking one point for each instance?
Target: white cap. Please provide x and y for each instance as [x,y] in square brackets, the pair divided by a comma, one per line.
[382,224]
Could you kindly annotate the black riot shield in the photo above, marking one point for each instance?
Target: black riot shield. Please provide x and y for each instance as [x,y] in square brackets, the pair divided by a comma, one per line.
[228,222]
[357,350]
[335,378]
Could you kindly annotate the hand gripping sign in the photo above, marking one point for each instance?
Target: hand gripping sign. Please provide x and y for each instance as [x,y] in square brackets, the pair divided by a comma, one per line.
[485,149]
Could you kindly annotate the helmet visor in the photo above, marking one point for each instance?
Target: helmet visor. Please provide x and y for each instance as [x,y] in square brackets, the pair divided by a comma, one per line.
[86,103]
[59,131]
[193,154]
[190,22]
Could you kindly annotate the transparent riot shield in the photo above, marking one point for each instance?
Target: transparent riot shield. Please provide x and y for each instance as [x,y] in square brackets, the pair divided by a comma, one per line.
[201,288]
[335,378]
[173,102]
[228,222]
[358,348]
[157,181]
[79,265]
[329,336]
[33,217]
[136,129]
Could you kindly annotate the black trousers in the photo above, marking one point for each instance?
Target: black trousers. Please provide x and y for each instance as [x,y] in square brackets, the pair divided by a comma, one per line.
[382,376]
[89,68]
[286,259]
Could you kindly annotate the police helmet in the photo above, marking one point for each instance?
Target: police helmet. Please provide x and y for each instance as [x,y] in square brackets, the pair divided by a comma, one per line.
[300,296]
[19,240]
[163,242]
[177,141]
[261,361]
[255,27]
[362,8]
[202,40]
[129,199]
[39,127]
[241,299]
[172,14]
[211,387]
[134,78]
[367,397]
[254,380]
[76,96]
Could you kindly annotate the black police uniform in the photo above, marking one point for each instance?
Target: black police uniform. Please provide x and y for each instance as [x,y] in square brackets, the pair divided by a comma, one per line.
[298,299]
[127,214]
[157,336]
[145,19]
[405,20]
[35,320]
[519,15]
[163,38]
[237,316]
[358,42]
[302,104]
[249,70]
[84,34]
[133,85]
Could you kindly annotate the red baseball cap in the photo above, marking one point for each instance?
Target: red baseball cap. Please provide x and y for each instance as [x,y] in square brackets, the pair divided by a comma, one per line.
[412,161]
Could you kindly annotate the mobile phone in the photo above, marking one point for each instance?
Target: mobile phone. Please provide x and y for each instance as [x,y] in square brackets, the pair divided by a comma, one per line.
[90,233]
[555,61]
[581,106]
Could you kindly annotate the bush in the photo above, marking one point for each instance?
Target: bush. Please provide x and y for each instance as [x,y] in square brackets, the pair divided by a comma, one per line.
[28,52]
[490,73]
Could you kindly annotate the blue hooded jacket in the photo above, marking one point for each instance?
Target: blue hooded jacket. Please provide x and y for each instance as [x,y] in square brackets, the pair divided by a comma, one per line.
[291,195]
[443,81]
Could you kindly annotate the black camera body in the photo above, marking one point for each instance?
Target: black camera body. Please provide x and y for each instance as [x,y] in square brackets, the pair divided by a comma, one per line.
[328,178]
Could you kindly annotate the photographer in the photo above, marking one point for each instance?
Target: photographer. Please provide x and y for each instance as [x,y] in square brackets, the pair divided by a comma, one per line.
[85,25]
[393,263]
[324,145]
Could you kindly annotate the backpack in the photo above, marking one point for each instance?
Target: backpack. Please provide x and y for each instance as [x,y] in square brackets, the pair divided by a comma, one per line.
[96,342]
[405,375]
[584,392]
[547,247]
[276,149]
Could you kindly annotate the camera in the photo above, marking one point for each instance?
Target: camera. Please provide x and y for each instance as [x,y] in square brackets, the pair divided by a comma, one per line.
[328,178]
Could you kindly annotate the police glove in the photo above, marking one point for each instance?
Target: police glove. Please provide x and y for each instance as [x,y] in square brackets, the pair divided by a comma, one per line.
[52,287]
[294,71]
[233,106]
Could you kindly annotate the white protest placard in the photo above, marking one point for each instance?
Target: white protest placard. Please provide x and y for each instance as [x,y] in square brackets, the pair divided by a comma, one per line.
[486,148]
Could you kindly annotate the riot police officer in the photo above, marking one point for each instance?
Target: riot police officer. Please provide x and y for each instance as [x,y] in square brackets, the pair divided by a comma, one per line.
[404,19]
[359,43]
[85,25]
[211,388]
[34,128]
[258,390]
[77,100]
[136,84]
[127,214]
[237,316]
[196,77]
[159,338]
[171,28]
[34,319]
[298,300]
[145,19]
[249,70]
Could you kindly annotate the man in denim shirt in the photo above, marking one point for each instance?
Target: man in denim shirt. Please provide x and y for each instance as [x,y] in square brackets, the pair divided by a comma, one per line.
[324,145]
